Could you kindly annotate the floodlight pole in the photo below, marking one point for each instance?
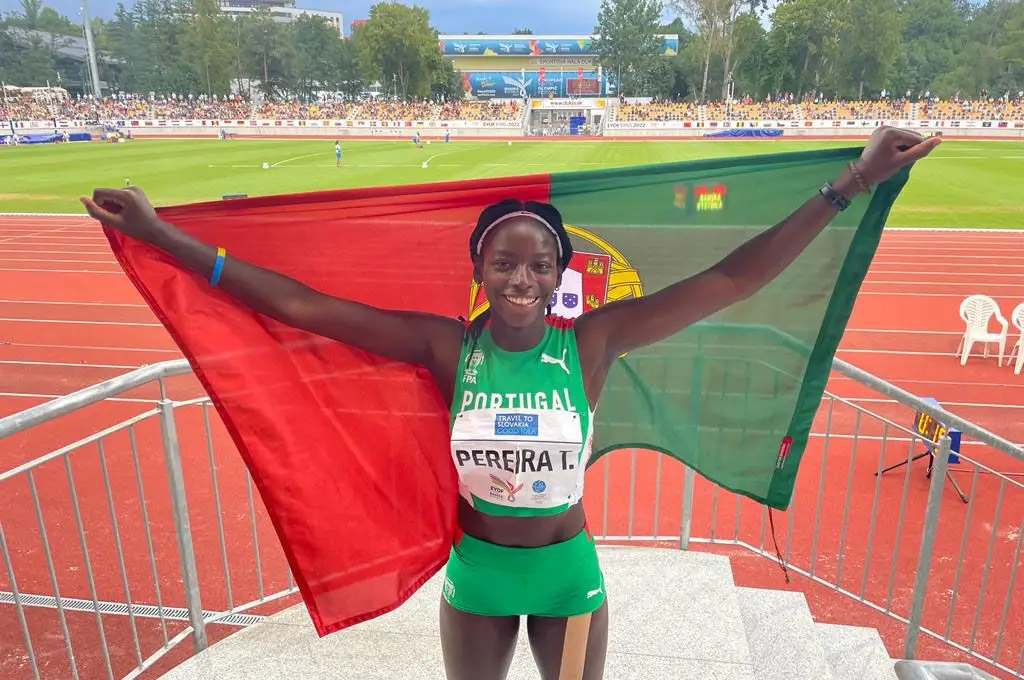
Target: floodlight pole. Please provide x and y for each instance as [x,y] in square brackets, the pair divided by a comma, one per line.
[91,50]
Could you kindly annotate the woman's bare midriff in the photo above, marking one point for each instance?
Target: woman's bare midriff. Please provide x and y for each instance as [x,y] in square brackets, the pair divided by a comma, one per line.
[521,532]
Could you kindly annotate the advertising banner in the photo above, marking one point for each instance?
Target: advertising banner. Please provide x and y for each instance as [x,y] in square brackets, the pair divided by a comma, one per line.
[531,45]
[517,84]
[821,124]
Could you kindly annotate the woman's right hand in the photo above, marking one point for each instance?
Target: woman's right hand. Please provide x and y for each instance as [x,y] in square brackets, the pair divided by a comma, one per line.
[127,210]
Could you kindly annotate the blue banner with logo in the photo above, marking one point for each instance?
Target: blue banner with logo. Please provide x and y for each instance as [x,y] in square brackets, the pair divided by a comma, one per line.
[513,84]
[537,46]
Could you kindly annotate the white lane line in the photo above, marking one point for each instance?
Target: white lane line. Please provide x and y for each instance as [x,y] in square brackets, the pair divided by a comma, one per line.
[942,274]
[952,383]
[941,283]
[975,356]
[61,271]
[82,322]
[47,259]
[929,268]
[954,295]
[39,233]
[92,348]
[62,252]
[19,230]
[39,395]
[73,304]
[66,237]
[912,353]
[51,244]
[934,249]
[14,362]
[898,331]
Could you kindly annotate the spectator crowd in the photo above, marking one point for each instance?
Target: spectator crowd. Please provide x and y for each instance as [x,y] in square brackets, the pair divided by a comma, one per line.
[45,104]
[786,107]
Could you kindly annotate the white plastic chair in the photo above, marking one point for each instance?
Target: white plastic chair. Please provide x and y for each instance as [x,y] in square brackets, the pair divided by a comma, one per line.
[1017,317]
[976,311]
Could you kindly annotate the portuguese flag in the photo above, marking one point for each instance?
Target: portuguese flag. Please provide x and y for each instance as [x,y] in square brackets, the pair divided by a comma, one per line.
[349,451]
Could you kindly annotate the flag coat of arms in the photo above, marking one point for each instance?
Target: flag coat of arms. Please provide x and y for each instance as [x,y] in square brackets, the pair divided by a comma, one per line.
[349,451]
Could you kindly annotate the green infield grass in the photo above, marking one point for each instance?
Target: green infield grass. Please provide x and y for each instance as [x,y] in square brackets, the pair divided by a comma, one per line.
[965,184]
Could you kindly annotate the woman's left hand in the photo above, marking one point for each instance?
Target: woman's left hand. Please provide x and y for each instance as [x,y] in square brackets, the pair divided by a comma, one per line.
[890,149]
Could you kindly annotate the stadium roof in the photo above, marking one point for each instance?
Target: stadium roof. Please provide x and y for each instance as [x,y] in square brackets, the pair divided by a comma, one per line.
[66,46]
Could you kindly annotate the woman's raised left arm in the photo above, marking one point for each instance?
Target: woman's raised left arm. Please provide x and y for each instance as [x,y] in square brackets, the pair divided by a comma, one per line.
[625,325]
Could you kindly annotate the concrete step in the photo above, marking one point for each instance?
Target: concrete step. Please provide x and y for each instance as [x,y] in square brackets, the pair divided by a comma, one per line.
[782,637]
[856,653]
[674,614]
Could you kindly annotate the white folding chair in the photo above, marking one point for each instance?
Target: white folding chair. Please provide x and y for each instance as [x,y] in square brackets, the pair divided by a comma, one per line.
[977,311]
[1017,317]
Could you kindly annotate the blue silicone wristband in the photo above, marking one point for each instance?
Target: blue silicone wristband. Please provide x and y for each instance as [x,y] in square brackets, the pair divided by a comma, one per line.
[218,267]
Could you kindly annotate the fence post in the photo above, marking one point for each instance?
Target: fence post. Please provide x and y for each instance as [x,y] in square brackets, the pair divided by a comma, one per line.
[924,558]
[686,523]
[182,528]
[689,476]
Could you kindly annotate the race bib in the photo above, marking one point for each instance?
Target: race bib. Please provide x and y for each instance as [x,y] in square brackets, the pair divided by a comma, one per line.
[523,458]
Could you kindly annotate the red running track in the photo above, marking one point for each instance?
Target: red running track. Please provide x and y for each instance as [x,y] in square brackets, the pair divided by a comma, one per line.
[69,318]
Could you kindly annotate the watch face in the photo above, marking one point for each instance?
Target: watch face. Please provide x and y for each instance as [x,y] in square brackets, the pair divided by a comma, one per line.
[835,198]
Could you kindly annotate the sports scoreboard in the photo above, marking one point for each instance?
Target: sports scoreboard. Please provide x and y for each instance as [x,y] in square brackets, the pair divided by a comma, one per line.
[928,427]
[931,430]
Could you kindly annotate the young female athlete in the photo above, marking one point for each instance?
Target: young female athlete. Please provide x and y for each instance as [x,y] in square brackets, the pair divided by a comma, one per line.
[524,383]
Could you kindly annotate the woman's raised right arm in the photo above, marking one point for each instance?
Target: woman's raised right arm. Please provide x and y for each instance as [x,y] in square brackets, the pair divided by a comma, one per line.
[412,337]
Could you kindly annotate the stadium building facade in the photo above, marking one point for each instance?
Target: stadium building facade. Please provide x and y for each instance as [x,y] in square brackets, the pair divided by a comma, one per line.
[558,74]
[283,11]
[525,66]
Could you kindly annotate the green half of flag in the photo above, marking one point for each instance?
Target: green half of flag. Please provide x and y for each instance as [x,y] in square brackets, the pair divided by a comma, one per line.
[733,397]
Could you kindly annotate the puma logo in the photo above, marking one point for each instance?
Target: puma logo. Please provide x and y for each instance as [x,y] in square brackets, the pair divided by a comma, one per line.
[548,359]
[593,593]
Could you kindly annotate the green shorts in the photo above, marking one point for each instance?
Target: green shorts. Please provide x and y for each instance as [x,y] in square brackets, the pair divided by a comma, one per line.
[559,580]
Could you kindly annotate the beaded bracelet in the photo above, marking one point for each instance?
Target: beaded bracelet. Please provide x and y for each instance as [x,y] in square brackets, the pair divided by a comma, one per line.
[859,178]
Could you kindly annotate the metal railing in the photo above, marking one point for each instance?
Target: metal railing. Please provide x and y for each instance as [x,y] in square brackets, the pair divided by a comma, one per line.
[131,455]
[903,545]
[899,546]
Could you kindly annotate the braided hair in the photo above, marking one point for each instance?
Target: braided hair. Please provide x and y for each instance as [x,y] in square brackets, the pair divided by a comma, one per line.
[544,211]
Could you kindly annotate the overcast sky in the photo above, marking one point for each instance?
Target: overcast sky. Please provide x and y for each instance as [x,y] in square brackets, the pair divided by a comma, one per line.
[448,16]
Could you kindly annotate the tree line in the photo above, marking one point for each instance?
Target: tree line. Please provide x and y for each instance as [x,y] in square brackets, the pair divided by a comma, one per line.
[190,47]
[837,49]
[833,48]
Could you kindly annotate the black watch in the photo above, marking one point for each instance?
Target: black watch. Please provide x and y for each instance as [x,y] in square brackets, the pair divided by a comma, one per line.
[838,201]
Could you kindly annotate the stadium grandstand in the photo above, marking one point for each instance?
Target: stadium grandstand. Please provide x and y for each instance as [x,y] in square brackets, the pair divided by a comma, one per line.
[37,109]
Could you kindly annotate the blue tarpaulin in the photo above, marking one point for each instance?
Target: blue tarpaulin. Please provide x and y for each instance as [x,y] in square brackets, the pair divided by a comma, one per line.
[746,132]
[51,137]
